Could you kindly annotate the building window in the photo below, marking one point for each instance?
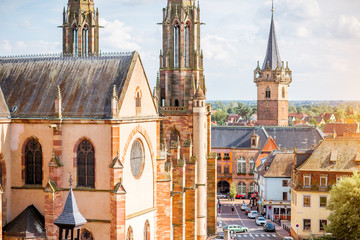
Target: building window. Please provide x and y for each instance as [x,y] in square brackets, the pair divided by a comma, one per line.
[33,162]
[137,158]
[323,181]
[218,155]
[268,93]
[138,100]
[307,180]
[176,45]
[241,165]
[241,188]
[285,183]
[276,211]
[130,234]
[176,103]
[251,187]
[323,224]
[219,168]
[85,39]
[187,45]
[86,164]
[226,155]
[86,235]
[226,169]
[323,201]
[285,196]
[147,230]
[251,165]
[75,42]
[307,224]
[307,201]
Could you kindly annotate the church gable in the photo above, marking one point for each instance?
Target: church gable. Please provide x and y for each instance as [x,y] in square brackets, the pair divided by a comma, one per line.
[136,99]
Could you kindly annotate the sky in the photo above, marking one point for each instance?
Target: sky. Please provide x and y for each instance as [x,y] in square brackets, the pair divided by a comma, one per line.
[319,38]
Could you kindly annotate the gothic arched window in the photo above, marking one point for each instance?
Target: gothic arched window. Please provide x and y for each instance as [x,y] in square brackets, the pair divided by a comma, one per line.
[85,164]
[176,46]
[75,42]
[137,160]
[138,99]
[130,234]
[33,162]
[241,165]
[147,230]
[187,45]
[268,93]
[176,103]
[85,41]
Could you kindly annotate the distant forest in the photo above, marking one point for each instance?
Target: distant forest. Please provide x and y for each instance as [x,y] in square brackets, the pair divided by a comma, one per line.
[341,109]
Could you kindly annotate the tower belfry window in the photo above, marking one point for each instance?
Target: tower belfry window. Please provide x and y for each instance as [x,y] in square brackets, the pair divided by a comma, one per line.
[85,39]
[268,93]
[187,45]
[75,42]
[176,45]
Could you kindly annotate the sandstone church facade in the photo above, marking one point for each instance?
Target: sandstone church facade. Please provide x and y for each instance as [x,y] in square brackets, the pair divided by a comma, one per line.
[94,117]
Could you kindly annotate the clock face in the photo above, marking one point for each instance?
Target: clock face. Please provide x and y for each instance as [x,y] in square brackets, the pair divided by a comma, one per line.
[267,104]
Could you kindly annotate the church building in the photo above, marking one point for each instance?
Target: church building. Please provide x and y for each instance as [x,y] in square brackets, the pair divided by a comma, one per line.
[93,116]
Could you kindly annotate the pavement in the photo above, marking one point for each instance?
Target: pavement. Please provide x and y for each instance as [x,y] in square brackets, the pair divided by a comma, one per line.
[280,229]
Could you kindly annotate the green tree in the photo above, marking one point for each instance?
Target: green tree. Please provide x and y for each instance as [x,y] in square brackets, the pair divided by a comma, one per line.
[292,109]
[313,122]
[245,111]
[233,190]
[219,117]
[344,205]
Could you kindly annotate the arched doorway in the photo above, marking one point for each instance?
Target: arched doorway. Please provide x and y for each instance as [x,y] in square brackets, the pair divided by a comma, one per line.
[223,187]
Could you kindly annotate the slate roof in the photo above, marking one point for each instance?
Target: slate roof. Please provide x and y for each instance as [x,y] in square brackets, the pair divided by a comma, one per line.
[334,155]
[285,137]
[29,223]
[341,128]
[272,51]
[29,85]
[70,217]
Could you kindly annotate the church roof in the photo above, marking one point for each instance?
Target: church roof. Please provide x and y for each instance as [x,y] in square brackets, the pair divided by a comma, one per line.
[29,223]
[29,85]
[70,217]
[285,137]
[272,51]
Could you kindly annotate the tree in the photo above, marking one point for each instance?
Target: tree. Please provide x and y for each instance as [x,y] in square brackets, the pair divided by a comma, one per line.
[344,205]
[245,111]
[233,190]
[219,117]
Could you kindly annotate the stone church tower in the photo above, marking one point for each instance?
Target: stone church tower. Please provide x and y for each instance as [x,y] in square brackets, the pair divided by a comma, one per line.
[272,81]
[181,95]
[80,28]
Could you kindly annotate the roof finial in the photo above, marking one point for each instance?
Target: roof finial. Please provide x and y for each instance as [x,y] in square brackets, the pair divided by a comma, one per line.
[272,6]
[70,180]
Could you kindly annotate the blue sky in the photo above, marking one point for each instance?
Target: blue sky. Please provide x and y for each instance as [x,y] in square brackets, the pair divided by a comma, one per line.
[319,38]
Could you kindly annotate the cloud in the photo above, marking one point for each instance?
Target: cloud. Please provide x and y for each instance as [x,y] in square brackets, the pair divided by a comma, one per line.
[348,26]
[117,36]
[218,48]
[31,47]
[5,47]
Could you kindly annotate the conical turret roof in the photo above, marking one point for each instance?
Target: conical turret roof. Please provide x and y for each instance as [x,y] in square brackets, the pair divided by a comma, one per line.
[272,52]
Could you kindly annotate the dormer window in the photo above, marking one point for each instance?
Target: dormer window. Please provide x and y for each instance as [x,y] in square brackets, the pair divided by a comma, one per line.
[307,180]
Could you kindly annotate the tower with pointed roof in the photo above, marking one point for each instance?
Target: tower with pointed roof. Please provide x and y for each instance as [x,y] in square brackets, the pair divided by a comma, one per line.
[272,80]
[80,28]
[181,96]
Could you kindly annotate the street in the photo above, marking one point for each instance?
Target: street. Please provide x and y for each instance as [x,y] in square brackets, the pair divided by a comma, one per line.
[226,217]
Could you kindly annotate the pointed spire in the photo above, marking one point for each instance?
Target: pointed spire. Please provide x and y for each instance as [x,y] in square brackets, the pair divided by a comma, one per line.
[272,51]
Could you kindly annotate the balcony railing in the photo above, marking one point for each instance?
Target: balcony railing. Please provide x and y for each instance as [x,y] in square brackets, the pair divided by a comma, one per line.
[224,175]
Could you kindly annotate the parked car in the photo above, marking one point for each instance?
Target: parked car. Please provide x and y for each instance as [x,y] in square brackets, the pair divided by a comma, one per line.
[260,221]
[269,227]
[244,207]
[240,196]
[247,211]
[287,238]
[252,214]
[220,236]
[221,196]
[236,228]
